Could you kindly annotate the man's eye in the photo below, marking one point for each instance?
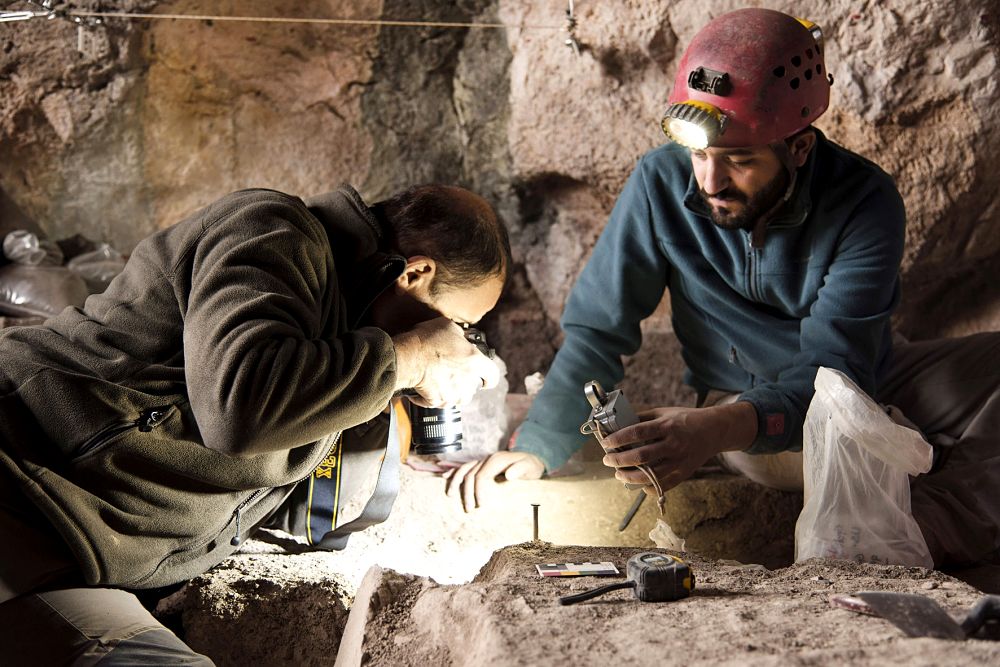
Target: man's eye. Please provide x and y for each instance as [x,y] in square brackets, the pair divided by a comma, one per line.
[698,154]
[739,163]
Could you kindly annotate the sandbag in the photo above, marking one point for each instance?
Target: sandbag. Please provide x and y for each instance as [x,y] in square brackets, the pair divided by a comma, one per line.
[39,291]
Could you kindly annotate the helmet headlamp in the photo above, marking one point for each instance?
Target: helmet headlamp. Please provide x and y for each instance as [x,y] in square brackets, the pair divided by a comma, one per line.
[693,124]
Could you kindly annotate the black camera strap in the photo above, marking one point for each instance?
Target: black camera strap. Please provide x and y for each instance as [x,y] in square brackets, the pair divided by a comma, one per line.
[335,477]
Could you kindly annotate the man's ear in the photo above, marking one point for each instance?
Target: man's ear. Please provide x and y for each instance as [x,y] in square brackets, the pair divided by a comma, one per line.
[800,147]
[418,274]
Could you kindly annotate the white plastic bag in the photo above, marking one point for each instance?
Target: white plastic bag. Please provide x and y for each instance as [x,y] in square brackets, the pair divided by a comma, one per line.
[856,467]
[24,247]
[484,421]
[98,267]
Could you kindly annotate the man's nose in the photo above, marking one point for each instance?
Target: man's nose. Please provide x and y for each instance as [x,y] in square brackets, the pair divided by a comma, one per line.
[716,177]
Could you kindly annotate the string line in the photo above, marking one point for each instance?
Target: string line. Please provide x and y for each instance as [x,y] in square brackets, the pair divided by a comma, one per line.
[282,19]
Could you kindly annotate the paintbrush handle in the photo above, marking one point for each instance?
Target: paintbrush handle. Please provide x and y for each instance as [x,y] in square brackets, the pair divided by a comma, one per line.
[986,609]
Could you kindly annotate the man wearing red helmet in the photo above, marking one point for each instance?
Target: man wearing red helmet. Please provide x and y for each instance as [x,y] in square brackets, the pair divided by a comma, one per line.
[781,252]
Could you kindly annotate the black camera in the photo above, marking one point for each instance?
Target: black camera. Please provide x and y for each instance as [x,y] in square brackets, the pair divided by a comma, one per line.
[439,430]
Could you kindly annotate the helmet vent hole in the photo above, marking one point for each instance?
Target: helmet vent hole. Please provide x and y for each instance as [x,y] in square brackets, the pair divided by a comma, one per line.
[809,54]
[779,71]
[796,61]
[819,68]
[794,83]
[805,111]
[809,75]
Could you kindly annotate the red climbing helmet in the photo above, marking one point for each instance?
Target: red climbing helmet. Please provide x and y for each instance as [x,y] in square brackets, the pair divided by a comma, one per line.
[749,78]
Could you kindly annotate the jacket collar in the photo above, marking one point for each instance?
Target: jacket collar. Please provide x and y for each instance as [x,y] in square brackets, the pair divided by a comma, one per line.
[794,211]
[365,263]
[345,216]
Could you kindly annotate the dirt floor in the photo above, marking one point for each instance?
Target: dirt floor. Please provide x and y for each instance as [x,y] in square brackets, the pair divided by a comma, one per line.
[738,615]
[278,604]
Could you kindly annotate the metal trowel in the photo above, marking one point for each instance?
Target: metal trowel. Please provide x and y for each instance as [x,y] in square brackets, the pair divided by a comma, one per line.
[920,616]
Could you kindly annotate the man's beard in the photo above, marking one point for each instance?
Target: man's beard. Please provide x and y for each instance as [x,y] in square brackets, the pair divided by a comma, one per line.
[753,207]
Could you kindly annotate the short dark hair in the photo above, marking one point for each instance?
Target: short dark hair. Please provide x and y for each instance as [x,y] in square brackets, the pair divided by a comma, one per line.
[454,227]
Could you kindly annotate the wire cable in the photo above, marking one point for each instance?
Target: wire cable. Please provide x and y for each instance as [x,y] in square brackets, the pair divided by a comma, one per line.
[93,16]
[289,19]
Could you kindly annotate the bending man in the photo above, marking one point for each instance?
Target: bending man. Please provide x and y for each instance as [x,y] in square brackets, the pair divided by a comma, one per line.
[143,437]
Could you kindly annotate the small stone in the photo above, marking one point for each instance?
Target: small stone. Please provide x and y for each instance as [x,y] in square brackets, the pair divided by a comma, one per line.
[929,585]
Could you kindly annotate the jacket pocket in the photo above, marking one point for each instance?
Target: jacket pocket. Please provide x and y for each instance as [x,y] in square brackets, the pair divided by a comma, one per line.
[214,545]
[145,422]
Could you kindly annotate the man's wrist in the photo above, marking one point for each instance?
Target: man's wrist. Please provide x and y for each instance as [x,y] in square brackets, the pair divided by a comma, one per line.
[740,430]
[409,369]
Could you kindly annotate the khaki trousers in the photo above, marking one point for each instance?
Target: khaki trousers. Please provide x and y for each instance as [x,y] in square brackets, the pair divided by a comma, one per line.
[87,626]
[48,618]
[950,389]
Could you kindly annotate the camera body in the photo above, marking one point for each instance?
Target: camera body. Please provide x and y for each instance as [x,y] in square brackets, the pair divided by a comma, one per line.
[439,430]
[610,412]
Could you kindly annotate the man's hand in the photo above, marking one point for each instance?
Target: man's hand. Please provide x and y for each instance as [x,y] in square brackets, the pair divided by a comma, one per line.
[678,441]
[435,360]
[476,479]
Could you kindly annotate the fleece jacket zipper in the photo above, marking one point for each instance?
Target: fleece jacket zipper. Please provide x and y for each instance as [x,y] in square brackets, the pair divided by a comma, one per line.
[147,421]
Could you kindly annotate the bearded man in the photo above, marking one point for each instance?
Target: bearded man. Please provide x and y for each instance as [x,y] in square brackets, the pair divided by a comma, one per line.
[780,251]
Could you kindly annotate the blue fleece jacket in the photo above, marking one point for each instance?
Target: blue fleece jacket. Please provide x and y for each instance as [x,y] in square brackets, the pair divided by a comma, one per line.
[757,321]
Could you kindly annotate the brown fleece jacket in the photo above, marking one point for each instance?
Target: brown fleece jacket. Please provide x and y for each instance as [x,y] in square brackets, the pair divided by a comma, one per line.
[180,407]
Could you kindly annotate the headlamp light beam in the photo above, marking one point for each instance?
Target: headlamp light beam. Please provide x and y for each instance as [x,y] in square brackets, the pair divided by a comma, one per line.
[693,123]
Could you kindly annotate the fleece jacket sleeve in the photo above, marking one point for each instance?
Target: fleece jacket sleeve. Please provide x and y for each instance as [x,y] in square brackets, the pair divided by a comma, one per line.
[269,362]
[620,286]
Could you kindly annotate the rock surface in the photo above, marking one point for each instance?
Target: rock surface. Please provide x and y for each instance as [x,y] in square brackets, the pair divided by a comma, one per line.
[152,119]
[729,517]
[737,615]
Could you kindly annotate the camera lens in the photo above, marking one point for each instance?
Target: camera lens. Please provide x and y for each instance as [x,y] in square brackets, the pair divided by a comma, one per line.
[435,430]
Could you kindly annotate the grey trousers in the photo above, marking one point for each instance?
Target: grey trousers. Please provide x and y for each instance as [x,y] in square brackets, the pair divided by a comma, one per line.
[949,389]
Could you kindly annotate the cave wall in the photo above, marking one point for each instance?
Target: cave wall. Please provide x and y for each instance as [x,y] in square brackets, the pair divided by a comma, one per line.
[151,119]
